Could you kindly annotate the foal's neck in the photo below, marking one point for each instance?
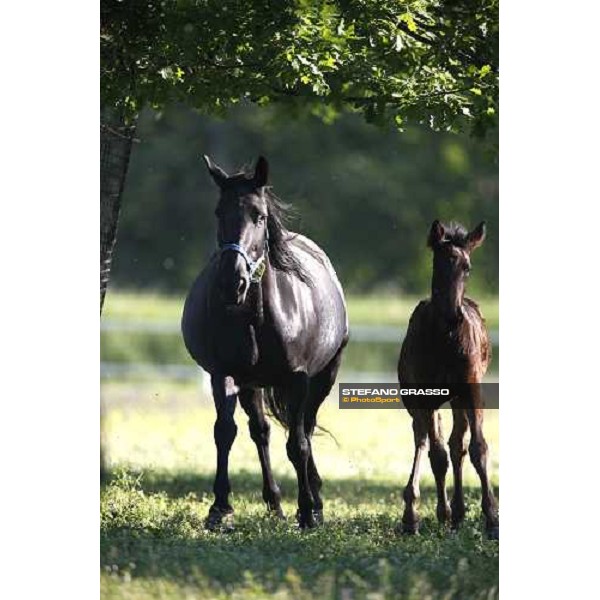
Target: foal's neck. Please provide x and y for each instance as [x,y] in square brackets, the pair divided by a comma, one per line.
[447,298]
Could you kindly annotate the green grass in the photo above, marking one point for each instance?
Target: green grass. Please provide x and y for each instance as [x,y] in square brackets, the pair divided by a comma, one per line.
[160,454]
[142,306]
[142,347]
[138,347]
[362,310]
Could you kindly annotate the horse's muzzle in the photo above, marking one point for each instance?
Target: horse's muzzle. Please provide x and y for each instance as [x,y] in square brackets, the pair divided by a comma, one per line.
[235,294]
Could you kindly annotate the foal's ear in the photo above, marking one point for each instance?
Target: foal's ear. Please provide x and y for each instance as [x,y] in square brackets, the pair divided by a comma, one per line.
[261,172]
[476,237]
[436,234]
[215,171]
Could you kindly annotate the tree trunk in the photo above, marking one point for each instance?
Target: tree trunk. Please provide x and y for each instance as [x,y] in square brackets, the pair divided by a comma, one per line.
[115,149]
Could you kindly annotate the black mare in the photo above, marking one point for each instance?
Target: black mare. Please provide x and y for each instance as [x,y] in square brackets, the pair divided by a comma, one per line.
[267,319]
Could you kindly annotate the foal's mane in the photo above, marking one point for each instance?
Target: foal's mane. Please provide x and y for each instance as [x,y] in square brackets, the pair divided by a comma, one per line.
[281,213]
[455,234]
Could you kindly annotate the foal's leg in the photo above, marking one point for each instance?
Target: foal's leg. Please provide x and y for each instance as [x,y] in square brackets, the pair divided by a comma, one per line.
[439,465]
[478,452]
[225,396]
[260,432]
[410,519]
[458,451]
[298,447]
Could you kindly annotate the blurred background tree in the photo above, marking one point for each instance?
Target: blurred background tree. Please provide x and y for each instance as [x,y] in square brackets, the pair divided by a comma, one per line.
[366,194]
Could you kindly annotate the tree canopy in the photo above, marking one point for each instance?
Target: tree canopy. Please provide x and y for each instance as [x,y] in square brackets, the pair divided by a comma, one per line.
[432,62]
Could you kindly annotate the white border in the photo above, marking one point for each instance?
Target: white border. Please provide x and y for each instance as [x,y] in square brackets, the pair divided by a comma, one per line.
[49,300]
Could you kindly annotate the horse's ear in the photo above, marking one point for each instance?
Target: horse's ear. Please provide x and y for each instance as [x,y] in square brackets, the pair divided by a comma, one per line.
[261,172]
[215,171]
[476,237]
[436,235]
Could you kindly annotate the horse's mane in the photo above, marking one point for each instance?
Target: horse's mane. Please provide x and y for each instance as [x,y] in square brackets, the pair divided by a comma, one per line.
[281,213]
[455,234]
[280,252]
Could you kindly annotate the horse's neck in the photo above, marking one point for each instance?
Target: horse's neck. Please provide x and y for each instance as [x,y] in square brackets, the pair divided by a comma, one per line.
[448,301]
[257,307]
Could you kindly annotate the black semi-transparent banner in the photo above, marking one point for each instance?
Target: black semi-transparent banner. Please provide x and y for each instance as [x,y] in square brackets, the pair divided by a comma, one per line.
[427,396]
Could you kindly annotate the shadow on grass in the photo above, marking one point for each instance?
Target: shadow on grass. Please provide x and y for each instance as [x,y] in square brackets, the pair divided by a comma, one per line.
[180,485]
[155,529]
[244,483]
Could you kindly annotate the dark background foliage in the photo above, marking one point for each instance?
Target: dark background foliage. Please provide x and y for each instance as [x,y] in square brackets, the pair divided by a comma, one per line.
[366,194]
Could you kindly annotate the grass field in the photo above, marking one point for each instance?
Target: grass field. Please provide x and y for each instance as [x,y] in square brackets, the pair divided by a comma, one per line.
[150,348]
[161,456]
[363,310]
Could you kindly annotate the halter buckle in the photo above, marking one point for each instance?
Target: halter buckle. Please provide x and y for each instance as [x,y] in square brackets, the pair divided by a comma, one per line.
[256,273]
[256,268]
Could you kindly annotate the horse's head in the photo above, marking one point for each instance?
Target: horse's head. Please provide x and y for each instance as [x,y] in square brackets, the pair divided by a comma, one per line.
[452,246]
[242,233]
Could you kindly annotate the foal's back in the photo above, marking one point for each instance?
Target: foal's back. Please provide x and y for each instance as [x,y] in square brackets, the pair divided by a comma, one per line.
[437,352]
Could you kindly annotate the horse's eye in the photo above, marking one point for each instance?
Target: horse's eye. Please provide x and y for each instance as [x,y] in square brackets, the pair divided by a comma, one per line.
[261,219]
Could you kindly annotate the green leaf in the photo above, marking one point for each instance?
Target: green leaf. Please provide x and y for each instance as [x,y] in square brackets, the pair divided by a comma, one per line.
[409,20]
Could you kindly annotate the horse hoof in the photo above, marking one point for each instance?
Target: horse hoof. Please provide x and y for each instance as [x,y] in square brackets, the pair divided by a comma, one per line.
[493,533]
[276,513]
[318,517]
[455,525]
[444,514]
[306,521]
[219,519]
[407,529]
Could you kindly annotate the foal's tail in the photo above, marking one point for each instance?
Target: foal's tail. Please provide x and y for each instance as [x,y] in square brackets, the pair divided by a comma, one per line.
[277,407]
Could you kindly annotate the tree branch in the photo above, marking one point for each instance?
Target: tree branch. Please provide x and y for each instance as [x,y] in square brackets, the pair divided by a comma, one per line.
[376,99]
[404,27]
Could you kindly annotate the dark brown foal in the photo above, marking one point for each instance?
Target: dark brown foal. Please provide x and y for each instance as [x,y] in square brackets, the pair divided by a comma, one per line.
[447,344]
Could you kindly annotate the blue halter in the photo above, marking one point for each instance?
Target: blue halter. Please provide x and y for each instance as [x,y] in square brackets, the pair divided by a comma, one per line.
[257,267]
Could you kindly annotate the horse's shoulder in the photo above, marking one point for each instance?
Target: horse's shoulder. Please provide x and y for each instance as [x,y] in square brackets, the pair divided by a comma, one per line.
[472,308]
[419,326]
[305,244]
[420,314]
[422,307]
[474,319]
[311,250]
[478,338]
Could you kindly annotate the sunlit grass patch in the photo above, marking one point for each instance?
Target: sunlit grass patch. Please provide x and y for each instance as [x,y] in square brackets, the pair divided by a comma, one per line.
[161,460]
[171,427]
[377,309]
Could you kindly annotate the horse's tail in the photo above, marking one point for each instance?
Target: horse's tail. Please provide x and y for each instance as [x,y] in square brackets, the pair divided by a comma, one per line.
[277,407]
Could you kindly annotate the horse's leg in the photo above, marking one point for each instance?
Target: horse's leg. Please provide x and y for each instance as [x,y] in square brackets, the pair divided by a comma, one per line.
[314,479]
[225,396]
[410,518]
[478,452]
[260,432]
[298,448]
[439,465]
[458,451]
[320,386]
